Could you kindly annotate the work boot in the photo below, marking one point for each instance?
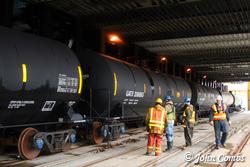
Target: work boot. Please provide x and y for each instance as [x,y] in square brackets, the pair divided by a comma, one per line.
[188,144]
[171,144]
[224,138]
[148,153]
[168,146]
[216,147]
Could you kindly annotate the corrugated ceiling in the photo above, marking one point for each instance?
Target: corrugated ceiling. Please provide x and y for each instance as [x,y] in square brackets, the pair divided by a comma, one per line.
[213,36]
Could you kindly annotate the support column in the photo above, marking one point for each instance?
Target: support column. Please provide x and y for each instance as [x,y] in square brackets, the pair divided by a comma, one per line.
[174,69]
[248,96]
[190,77]
[166,67]
[102,46]
[88,37]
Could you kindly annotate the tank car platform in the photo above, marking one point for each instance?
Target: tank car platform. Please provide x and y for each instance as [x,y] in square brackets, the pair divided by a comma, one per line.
[130,150]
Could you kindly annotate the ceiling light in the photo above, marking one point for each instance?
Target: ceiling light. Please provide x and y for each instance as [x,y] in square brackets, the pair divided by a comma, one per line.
[115,39]
[163,59]
[188,70]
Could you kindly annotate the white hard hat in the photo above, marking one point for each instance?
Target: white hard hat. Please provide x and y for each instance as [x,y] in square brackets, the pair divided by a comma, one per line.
[219,98]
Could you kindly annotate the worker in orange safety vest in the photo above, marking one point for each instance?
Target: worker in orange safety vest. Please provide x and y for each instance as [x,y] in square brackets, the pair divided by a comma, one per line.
[220,119]
[156,122]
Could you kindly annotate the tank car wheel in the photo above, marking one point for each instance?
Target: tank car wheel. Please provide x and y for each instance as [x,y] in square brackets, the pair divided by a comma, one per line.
[96,133]
[26,147]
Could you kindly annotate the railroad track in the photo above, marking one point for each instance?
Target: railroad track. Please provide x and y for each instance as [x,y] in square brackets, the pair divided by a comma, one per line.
[94,162]
[239,149]
[172,153]
[129,133]
[210,148]
[162,158]
[148,163]
[99,161]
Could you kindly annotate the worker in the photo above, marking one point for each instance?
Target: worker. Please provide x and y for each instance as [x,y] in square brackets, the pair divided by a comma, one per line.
[188,120]
[156,121]
[219,118]
[170,110]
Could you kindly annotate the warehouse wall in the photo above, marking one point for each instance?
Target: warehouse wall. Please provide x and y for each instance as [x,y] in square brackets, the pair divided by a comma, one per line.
[242,89]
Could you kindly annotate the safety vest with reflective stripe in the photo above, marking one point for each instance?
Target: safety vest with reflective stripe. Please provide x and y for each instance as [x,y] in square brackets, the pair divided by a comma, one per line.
[190,108]
[219,112]
[170,109]
[157,118]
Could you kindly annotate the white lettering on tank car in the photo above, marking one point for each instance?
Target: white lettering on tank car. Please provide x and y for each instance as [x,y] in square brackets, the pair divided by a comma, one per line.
[129,93]
[49,105]
[67,84]
[134,94]
[130,101]
[85,76]
[139,94]
[16,104]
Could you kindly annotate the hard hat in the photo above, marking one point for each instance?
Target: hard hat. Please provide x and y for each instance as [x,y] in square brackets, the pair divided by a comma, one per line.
[187,100]
[219,98]
[167,98]
[158,100]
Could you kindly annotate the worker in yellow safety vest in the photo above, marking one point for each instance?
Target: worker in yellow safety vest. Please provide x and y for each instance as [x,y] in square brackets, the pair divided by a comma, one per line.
[170,110]
[188,120]
[156,121]
[219,118]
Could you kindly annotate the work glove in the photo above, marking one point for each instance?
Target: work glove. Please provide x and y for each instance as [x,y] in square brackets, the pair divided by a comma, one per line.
[229,123]
[211,123]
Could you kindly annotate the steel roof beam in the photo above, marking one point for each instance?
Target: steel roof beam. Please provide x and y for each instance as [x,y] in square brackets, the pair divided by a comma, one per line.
[195,40]
[221,64]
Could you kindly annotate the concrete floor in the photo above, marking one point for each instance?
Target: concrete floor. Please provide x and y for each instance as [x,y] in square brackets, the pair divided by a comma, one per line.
[130,150]
[246,153]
